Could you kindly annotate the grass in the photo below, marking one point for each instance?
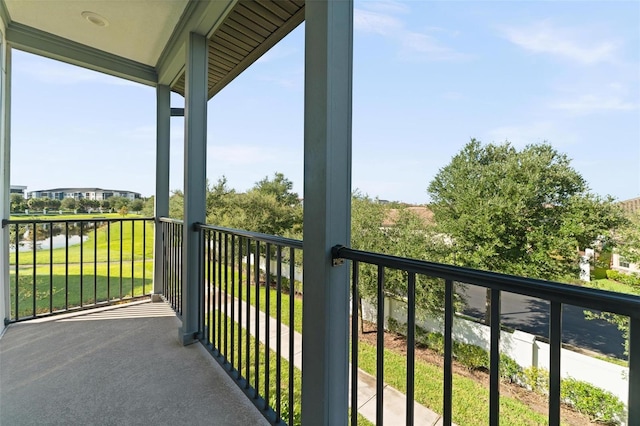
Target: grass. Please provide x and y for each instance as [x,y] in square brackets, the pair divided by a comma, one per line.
[104,243]
[59,287]
[471,399]
[611,285]
[116,262]
[267,389]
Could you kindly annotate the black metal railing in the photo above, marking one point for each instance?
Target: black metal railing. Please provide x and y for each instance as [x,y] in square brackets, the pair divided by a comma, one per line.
[555,293]
[171,259]
[249,288]
[63,265]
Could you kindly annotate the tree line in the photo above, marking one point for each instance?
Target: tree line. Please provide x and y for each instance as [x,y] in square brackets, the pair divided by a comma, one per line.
[18,204]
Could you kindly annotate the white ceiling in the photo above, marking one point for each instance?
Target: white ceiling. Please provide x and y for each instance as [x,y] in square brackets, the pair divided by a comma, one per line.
[137,29]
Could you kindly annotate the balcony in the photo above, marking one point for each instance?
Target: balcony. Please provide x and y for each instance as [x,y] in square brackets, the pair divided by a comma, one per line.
[93,332]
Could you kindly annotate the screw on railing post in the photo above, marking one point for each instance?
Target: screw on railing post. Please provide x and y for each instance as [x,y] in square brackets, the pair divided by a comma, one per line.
[336,260]
[634,371]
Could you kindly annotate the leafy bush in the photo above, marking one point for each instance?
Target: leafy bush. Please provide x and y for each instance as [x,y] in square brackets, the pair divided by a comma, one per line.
[536,379]
[600,405]
[621,277]
[471,356]
[510,370]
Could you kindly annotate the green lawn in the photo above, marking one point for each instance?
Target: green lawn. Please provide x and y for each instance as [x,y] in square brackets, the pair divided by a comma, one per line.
[87,273]
[471,399]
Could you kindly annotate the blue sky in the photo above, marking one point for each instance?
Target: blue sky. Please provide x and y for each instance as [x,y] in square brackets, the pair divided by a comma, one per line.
[428,76]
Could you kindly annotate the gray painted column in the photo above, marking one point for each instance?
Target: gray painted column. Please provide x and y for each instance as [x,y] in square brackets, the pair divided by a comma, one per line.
[327,210]
[5,177]
[163,133]
[195,154]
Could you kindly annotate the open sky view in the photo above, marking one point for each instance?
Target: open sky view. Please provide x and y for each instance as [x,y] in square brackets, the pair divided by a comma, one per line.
[428,76]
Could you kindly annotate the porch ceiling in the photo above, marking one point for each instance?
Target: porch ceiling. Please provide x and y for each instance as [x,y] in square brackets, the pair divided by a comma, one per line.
[144,40]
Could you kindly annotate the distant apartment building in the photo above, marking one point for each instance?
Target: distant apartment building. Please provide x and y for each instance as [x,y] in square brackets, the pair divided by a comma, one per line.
[80,193]
[631,206]
[18,189]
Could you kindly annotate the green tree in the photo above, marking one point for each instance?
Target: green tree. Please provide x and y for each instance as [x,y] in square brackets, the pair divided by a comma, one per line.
[69,204]
[524,212]
[149,207]
[17,203]
[627,238]
[53,204]
[395,230]
[280,187]
[118,202]
[137,205]
[176,205]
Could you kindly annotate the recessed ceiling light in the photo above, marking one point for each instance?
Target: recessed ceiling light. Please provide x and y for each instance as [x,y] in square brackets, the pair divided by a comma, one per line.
[95,19]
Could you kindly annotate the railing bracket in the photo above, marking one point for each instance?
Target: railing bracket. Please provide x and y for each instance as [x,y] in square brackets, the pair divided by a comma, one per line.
[336,260]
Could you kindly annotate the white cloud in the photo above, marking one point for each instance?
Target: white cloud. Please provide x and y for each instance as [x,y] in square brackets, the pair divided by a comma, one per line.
[537,132]
[576,45]
[413,45]
[587,104]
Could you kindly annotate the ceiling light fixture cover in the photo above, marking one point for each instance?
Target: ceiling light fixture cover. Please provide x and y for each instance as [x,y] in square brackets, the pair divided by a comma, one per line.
[95,19]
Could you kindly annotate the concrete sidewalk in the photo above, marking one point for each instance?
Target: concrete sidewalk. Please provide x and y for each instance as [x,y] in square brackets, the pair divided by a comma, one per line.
[394,400]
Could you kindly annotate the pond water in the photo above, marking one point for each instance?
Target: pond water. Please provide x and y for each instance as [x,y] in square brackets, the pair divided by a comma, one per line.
[57,241]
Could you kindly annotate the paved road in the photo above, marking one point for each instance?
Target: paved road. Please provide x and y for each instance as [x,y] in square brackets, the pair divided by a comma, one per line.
[532,315]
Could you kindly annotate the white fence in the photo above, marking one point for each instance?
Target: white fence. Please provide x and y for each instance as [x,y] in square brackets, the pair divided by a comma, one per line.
[523,347]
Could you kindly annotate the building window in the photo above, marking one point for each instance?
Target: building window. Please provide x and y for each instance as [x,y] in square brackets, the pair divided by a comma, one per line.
[624,263]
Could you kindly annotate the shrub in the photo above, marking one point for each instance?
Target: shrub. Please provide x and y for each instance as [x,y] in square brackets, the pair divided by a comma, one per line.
[628,279]
[471,356]
[600,405]
[510,370]
[536,379]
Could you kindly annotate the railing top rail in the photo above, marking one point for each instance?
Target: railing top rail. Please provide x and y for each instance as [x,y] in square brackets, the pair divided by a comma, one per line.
[6,222]
[603,300]
[266,238]
[170,220]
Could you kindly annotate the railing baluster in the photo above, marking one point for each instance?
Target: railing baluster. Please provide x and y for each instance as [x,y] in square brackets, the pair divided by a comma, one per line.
[108,261]
[239,365]
[248,310]
[292,328]
[144,257]
[218,255]
[447,413]
[17,295]
[411,346]
[225,294]
[95,262]
[133,256]
[34,292]
[50,267]
[267,300]
[278,330]
[634,371]
[355,303]
[66,266]
[232,298]
[121,235]
[555,342]
[82,264]
[380,350]
[256,273]
[494,369]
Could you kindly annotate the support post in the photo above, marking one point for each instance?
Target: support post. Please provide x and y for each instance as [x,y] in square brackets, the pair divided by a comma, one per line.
[327,210]
[195,154]
[163,134]
[5,176]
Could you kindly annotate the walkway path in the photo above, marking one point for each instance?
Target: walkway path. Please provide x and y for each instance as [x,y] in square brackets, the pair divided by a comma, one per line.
[394,400]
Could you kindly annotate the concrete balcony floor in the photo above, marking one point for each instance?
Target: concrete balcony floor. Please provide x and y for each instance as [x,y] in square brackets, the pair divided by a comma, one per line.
[114,366]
